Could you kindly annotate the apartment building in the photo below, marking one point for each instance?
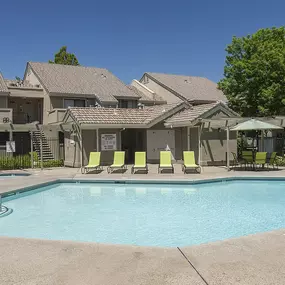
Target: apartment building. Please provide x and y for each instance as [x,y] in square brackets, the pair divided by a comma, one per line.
[89,109]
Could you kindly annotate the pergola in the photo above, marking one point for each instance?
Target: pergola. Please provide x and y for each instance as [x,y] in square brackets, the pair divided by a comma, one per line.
[242,124]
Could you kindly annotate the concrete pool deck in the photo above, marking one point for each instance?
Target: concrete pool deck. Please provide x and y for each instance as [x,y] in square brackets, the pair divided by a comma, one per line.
[254,259]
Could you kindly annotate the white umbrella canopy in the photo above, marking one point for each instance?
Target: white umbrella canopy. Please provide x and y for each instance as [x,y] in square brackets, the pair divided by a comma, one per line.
[254,124]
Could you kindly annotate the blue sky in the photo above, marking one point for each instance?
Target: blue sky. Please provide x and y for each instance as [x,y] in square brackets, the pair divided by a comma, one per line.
[131,37]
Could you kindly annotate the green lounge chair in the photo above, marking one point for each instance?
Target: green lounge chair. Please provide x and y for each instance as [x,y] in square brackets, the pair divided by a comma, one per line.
[165,161]
[118,163]
[272,160]
[140,162]
[94,162]
[189,162]
[247,157]
[260,159]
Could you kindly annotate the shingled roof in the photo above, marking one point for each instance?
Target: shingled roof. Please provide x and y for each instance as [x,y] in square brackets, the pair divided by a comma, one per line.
[192,88]
[3,86]
[120,116]
[79,80]
[189,115]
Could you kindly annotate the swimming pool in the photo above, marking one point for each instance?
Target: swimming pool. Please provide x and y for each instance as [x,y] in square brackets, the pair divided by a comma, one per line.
[146,214]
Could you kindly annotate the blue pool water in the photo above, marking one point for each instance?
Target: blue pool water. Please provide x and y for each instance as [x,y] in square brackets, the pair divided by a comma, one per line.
[143,214]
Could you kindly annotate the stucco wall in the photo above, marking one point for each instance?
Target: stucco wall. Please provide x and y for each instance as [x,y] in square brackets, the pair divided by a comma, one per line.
[3,101]
[161,91]
[46,108]
[5,113]
[214,146]
[180,143]
[25,109]
[72,150]
[30,76]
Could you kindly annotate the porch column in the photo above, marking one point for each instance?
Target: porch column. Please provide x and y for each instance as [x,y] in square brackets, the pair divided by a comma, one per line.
[81,150]
[188,138]
[199,146]
[228,148]
[97,140]
[32,151]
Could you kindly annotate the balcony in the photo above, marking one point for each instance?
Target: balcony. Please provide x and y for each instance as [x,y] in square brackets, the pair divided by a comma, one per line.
[56,115]
[6,115]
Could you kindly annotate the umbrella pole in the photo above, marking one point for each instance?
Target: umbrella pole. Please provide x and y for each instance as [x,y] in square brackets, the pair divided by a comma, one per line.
[228,149]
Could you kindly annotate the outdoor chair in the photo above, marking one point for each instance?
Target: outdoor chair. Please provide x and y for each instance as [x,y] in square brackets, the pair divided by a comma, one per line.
[140,162]
[165,161]
[237,162]
[118,162]
[260,159]
[272,160]
[94,162]
[247,157]
[189,162]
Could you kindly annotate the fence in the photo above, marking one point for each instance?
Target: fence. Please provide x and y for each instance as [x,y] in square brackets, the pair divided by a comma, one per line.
[22,157]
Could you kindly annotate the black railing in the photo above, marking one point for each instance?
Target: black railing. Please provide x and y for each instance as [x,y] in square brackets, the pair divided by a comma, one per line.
[21,158]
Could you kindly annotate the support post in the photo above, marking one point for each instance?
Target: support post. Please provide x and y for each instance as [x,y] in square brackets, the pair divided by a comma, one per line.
[32,150]
[97,140]
[81,150]
[199,146]
[41,141]
[188,138]
[262,140]
[228,148]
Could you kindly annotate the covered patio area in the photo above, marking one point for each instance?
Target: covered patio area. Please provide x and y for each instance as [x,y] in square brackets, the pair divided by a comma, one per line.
[235,125]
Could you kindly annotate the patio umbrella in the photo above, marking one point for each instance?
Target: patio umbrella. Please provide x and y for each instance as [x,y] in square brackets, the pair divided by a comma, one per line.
[251,124]
[254,124]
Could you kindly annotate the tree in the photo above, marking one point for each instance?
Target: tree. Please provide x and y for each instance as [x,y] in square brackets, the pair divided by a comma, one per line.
[254,73]
[64,57]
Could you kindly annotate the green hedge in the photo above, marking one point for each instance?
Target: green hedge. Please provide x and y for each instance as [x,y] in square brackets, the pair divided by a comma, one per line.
[15,162]
[280,160]
[24,161]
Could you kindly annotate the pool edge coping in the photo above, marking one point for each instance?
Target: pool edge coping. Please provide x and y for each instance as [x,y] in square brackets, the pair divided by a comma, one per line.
[138,181]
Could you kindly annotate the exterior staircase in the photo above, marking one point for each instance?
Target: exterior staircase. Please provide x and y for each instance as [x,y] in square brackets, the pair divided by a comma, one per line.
[47,153]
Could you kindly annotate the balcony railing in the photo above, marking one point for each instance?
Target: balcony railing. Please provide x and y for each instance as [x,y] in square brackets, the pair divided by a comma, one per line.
[56,115]
[24,118]
[6,115]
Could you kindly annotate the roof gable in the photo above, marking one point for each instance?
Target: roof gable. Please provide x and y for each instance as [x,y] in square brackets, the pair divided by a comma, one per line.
[3,86]
[79,80]
[191,115]
[191,88]
[120,117]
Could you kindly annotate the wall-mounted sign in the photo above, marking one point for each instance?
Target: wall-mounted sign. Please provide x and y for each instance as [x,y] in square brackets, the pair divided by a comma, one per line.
[10,146]
[108,142]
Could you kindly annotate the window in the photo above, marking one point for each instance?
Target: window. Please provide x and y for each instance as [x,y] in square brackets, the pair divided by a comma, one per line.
[128,104]
[74,103]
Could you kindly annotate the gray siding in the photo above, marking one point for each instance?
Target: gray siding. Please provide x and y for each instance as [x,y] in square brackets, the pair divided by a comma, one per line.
[72,151]
[89,141]
[3,101]
[214,146]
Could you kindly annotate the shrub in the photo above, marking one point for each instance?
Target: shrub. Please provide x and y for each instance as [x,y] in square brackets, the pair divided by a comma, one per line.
[280,160]
[15,162]
[53,163]
[24,161]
